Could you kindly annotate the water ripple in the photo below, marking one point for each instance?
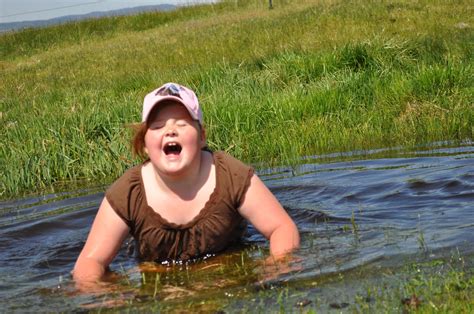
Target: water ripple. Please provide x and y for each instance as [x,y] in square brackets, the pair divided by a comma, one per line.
[352,209]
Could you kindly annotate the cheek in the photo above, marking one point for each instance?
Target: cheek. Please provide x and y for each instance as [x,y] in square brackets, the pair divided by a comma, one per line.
[150,140]
[146,140]
[199,139]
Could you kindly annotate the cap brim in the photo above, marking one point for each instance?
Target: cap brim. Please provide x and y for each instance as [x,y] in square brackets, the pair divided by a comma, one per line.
[170,97]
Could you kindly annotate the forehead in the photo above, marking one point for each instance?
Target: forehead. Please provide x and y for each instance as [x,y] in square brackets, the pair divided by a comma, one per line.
[169,109]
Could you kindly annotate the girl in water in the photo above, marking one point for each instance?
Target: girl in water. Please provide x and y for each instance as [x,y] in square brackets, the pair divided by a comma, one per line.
[183,201]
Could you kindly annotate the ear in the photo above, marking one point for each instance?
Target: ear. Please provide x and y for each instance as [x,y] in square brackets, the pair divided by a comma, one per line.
[145,150]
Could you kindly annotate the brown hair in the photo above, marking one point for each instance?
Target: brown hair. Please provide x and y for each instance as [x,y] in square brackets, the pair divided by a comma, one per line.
[138,140]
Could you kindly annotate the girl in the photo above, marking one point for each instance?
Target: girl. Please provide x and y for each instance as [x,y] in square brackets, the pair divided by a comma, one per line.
[184,201]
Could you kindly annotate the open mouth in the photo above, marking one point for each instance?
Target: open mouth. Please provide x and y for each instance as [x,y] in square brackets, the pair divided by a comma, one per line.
[172,148]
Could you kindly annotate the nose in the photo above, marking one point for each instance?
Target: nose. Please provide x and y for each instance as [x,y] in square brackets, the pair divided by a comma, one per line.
[171,131]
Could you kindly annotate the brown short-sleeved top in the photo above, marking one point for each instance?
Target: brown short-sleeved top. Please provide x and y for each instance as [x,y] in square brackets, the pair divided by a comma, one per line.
[216,226]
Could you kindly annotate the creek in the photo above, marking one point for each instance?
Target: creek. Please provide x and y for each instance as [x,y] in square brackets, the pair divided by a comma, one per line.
[362,210]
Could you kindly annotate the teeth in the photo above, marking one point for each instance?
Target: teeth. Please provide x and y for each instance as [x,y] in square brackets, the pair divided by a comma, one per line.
[172,148]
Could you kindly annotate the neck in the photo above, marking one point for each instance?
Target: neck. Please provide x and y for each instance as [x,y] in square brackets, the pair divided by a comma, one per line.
[187,184]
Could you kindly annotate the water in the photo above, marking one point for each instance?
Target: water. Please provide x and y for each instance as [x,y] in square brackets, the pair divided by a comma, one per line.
[357,212]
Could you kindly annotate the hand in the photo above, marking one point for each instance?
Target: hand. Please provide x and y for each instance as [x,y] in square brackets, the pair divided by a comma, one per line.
[274,267]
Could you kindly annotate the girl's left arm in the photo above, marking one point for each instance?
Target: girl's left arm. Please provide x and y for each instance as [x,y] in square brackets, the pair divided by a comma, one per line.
[261,208]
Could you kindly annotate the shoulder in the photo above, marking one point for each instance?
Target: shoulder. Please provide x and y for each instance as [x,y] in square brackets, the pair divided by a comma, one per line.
[125,189]
[230,163]
[130,178]
[232,175]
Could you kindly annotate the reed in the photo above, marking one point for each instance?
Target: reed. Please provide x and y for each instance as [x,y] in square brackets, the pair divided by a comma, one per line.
[305,78]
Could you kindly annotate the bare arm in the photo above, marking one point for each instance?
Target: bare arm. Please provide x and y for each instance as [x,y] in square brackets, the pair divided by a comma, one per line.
[264,212]
[105,238]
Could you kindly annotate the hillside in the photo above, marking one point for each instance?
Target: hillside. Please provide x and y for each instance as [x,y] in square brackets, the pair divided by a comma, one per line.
[14,26]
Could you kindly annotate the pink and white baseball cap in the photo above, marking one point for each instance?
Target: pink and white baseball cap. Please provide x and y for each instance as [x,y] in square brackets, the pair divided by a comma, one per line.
[176,92]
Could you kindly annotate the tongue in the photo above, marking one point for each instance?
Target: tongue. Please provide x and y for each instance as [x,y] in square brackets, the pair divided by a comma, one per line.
[173,150]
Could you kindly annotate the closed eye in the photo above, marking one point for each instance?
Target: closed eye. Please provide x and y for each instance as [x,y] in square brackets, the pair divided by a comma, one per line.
[182,123]
[155,125]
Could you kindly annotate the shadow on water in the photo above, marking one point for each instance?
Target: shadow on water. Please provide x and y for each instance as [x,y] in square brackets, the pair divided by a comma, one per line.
[360,214]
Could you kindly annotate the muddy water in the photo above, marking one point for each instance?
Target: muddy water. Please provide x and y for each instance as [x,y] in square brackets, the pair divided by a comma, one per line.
[355,211]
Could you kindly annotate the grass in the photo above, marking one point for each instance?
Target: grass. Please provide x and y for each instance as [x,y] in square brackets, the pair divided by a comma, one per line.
[306,78]
[228,284]
[441,286]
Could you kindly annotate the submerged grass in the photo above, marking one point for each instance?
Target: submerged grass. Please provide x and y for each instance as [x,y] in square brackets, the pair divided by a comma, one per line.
[306,78]
[232,284]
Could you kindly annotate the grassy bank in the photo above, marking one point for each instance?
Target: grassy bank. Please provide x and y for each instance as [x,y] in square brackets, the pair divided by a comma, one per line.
[305,78]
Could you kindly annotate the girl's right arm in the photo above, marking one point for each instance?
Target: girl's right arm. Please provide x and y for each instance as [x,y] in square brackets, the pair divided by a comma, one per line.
[105,239]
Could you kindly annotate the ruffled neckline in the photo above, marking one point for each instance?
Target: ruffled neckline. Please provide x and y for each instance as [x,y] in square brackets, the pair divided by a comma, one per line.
[203,212]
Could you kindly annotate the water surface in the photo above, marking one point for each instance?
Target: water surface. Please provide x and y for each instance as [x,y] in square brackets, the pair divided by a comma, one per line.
[357,212]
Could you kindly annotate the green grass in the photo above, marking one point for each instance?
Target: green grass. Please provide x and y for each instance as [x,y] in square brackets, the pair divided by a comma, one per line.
[229,283]
[306,78]
[439,287]
[436,286]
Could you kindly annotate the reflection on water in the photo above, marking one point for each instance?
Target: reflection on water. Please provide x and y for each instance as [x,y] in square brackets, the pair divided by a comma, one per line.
[354,210]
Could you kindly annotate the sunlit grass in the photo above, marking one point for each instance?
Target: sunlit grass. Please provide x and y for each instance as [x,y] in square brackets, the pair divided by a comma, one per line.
[235,283]
[437,286]
[305,78]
